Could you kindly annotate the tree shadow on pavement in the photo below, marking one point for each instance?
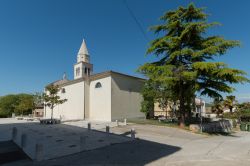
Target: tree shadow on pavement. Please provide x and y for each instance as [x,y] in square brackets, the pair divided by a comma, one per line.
[137,152]
[222,134]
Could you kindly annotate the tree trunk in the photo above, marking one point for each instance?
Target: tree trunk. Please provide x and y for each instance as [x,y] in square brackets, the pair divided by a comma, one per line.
[45,112]
[182,106]
[182,112]
[182,115]
[51,113]
[231,110]
[151,113]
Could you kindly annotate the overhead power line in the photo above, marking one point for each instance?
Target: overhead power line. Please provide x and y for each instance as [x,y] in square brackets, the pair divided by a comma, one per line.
[136,20]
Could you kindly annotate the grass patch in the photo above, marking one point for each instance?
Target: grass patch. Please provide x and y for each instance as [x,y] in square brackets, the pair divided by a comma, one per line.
[157,123]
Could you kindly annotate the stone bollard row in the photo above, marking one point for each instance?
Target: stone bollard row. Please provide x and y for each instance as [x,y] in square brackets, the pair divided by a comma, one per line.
[89,126]
[133,133]
[107,129]
[23,137]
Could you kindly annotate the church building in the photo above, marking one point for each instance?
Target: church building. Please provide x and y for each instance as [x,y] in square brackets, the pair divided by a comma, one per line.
[106,96]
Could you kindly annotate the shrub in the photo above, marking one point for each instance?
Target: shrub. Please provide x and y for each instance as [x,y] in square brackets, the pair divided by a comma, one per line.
[234,115]
[243,115]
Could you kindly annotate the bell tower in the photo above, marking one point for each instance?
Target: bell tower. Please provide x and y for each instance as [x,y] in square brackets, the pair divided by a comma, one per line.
[83,68]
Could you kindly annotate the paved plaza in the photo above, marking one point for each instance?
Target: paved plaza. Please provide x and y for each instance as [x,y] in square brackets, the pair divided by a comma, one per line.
[154,145]
[43,142]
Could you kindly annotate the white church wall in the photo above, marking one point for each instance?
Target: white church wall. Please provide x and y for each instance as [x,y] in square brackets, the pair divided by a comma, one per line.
[100,100]
[126,97]
[73,108]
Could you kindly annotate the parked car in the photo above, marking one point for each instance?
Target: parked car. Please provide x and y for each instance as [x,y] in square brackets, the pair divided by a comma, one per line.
[161,118]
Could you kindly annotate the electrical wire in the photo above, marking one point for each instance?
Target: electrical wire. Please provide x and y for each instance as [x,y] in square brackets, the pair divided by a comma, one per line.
[136,20]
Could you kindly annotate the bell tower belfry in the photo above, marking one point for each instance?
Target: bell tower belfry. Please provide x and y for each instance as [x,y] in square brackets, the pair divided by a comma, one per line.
[83,68]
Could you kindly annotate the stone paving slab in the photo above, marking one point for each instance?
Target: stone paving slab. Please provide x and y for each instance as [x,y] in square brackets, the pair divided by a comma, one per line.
[61,139]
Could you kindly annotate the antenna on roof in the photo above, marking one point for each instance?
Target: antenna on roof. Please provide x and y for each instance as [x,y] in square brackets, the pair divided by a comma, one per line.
[64,76]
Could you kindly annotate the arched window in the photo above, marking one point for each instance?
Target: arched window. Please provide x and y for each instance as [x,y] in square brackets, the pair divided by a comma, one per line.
[98,85]
[77,71]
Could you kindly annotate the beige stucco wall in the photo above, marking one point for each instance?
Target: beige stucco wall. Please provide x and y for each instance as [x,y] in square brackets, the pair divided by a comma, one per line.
[74,107]
[100,100]
[159,111]
[126,97]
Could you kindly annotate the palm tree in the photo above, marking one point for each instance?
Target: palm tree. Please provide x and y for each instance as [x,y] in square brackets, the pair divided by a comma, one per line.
[230,102]
[217,106]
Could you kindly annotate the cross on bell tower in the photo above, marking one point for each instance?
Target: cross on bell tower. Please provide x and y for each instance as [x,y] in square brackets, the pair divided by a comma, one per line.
[83,68]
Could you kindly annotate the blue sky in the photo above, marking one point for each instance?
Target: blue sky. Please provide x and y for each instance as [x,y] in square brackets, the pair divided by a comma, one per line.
[39,39]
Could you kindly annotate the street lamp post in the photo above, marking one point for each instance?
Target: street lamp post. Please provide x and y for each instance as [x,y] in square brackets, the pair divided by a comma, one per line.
[201,114]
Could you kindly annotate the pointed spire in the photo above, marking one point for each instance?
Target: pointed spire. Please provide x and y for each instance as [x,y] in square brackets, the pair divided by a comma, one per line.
[83,50]
[83,54]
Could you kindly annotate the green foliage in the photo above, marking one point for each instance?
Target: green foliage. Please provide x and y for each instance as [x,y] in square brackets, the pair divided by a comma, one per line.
[7,105]
[230,102]
[237,114]
[234,115]
[154,92]
[244,106]
[18,104]
[243,111]
[217,106]
[38,99]
[25,104]
[147,105]
[51,97]
[185,58]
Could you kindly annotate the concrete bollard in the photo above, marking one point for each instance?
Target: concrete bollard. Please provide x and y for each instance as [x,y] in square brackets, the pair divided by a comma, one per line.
[117,123]
[89,126]
[39,152]
[125,121]
[107,129]
[82,142]
[23,140]
[133,133]
[14,133]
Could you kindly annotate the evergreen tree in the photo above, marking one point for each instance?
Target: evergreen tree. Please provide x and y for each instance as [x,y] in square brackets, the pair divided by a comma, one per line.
[185,55]
[147,105]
